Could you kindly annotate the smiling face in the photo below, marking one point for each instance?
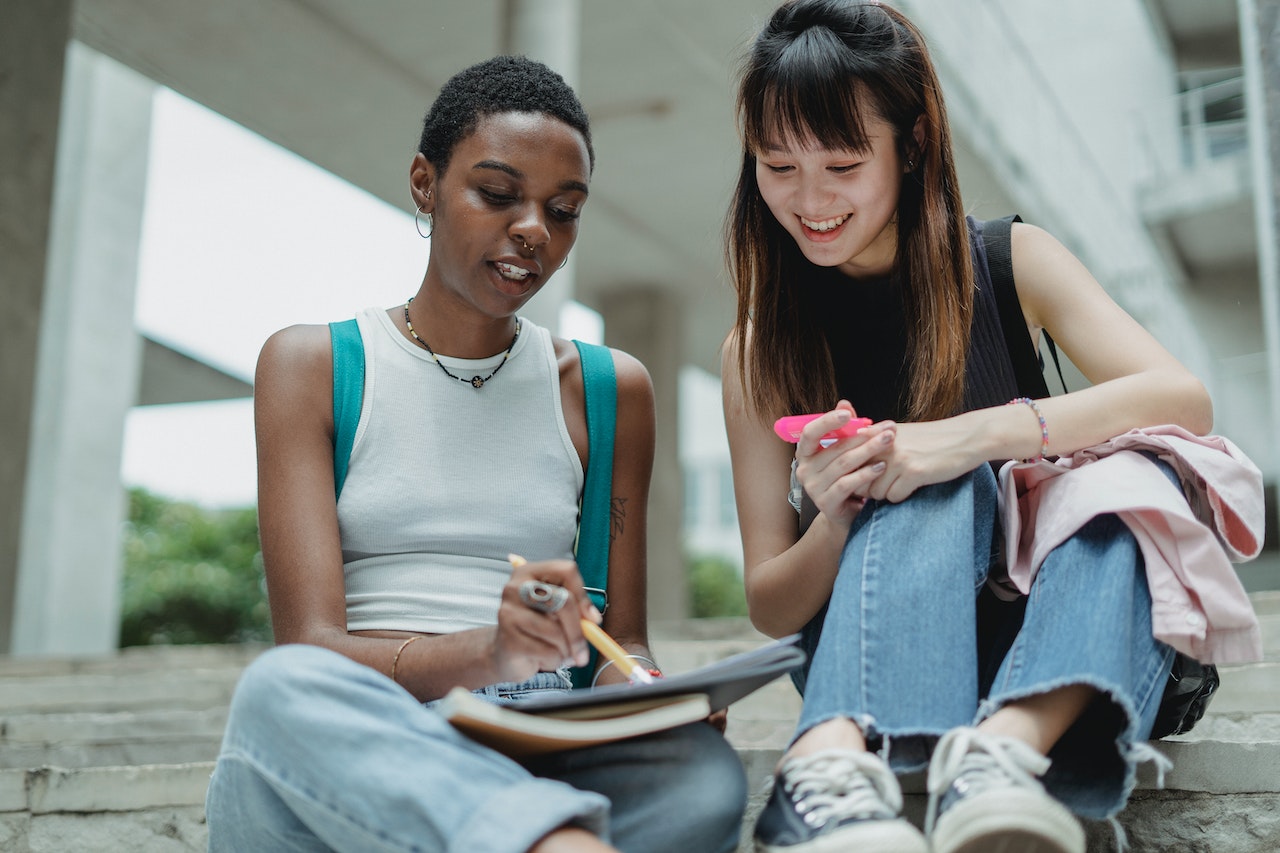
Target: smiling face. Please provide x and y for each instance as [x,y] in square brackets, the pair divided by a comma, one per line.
[839,206]
[505,210]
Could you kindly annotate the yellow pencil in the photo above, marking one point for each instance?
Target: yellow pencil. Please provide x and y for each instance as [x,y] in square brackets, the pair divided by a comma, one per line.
[603,643]
[608,647]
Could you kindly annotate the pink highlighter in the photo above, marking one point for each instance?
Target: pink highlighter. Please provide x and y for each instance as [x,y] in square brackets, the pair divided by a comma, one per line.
[789,428]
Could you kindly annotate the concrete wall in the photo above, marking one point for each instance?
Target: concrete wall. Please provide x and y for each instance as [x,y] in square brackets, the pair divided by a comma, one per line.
[87,365]
[33,37]
[1260,40]
[1110,74]
[1063,159]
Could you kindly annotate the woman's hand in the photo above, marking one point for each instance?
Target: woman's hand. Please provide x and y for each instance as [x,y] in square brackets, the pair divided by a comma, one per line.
[528,640]
[719,719]
[923,454]
[838,478]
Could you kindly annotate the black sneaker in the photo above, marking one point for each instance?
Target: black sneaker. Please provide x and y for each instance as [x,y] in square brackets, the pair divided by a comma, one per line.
[835,801]
[985,794]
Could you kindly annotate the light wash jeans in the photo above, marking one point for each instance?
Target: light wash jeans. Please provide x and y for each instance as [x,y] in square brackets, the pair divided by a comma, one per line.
[897,647]
[321,753]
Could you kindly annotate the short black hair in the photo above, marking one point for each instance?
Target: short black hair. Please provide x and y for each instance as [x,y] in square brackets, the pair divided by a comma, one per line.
[498,85]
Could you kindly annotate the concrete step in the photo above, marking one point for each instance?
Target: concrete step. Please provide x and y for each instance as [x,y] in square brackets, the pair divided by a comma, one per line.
[141,809]
[159,807]
[132,691]
[134,659]
[105,739]
[115,753]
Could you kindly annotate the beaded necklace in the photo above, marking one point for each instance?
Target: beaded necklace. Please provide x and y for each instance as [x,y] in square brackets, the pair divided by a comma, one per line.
[476,381]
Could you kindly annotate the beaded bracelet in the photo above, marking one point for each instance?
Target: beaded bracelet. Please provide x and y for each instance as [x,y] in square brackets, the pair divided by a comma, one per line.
[395,660]
[1044,427]
[652,667]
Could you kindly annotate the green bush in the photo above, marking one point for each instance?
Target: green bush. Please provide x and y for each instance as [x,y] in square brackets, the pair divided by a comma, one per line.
[191,575]
[715,588]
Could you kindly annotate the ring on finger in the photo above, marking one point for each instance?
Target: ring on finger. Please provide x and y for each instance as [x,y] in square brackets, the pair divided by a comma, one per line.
[542,596]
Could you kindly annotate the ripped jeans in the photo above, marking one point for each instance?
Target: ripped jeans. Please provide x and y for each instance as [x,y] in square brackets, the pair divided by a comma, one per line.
[903,648]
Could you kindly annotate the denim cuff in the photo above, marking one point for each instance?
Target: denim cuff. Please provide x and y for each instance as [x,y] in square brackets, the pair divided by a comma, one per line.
[515,818]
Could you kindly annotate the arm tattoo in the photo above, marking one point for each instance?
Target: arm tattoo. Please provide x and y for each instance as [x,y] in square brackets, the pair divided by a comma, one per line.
[617,517]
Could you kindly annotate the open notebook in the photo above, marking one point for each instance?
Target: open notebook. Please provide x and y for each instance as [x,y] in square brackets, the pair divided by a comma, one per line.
[555,721]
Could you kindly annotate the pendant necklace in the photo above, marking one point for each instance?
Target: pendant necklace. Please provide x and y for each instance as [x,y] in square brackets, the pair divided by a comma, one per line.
[476,381]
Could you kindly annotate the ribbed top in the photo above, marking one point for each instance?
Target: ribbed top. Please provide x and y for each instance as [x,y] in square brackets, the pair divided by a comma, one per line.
[866,332]
[446,480]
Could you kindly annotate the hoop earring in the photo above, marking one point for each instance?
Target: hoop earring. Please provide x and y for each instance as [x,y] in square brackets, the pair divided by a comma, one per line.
[431,221]
[431,224]
[563,263]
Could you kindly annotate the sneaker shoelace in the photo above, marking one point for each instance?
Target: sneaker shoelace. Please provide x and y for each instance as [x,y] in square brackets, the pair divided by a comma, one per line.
[974,762]
[839,784]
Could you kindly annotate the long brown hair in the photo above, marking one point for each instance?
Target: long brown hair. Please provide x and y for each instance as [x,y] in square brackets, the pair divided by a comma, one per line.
[820,69]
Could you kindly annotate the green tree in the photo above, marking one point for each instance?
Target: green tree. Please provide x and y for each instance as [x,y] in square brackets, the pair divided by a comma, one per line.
[191,575]
[715,588]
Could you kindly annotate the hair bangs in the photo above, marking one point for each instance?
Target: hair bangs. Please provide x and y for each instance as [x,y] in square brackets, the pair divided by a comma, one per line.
[806,92]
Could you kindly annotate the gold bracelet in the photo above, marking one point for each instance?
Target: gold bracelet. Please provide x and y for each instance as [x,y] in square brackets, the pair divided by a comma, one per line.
[396,660]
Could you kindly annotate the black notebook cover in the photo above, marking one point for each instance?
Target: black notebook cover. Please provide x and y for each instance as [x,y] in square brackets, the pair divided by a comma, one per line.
[723,682]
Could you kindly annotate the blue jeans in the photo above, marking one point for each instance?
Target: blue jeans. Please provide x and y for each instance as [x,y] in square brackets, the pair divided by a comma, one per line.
[897,648]
[322,753]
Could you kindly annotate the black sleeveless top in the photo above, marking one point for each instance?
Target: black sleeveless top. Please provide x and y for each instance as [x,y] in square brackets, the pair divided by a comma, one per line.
[865,331]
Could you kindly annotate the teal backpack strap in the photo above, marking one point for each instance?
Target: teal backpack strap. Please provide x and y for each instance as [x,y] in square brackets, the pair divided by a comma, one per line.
[348,393]
[600,387]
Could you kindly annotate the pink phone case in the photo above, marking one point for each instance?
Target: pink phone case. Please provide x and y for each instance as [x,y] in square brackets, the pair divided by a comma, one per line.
[789,428]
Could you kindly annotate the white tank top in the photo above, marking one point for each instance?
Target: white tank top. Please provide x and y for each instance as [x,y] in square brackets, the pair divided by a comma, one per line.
[446,480]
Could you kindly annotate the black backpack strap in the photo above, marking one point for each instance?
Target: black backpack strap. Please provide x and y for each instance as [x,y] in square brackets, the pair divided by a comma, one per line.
[1028,367]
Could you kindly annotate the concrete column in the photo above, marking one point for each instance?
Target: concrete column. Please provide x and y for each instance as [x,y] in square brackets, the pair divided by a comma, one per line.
[33,38]
[87,365]
[1260,54]
[648,323]
[549,31]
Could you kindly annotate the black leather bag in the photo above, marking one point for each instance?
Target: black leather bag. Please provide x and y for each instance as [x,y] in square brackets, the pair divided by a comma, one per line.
[1191,684]
[1186,695]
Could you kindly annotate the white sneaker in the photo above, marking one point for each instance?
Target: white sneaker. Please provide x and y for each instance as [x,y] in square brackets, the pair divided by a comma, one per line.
[835,801]
[985,796]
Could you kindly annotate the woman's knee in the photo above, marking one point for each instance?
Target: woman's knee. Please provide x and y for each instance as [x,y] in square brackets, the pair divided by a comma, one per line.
[1103,555]
[939,538]
[936,515]
[281,675]
[711,782]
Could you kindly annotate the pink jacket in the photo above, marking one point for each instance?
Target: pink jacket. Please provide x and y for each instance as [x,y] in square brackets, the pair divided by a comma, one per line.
[1188,540]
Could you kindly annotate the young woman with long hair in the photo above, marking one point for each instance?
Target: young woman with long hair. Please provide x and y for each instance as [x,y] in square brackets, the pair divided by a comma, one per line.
[863,290]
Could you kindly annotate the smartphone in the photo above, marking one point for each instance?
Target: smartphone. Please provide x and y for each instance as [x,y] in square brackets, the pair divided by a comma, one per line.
[789,428]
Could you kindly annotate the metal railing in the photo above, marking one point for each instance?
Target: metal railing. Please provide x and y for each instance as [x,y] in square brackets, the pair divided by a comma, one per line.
[1213,121]
[1212,126]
